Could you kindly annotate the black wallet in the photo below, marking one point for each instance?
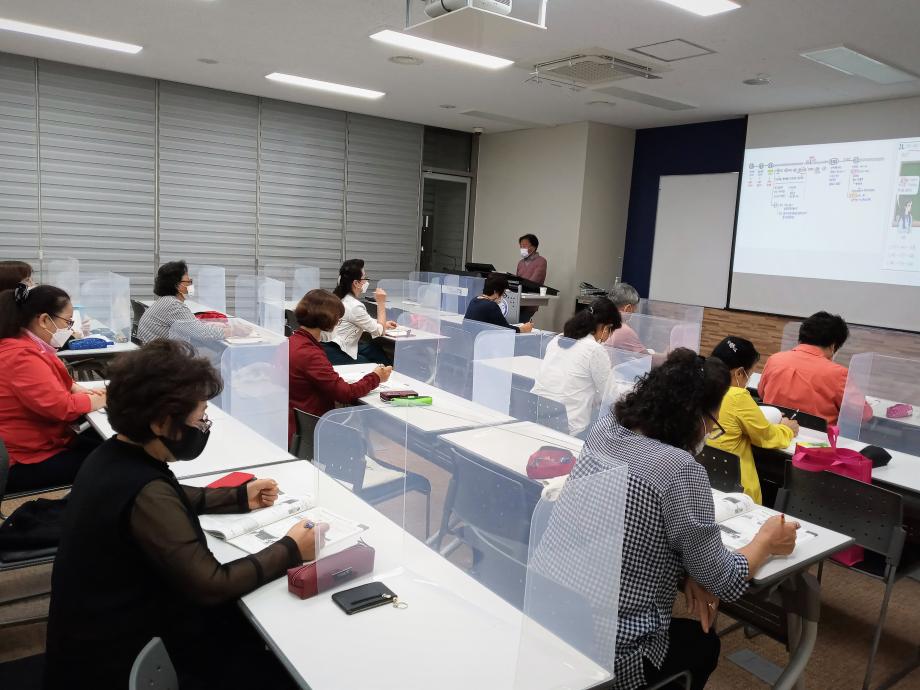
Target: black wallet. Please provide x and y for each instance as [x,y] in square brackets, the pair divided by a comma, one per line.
[364,597]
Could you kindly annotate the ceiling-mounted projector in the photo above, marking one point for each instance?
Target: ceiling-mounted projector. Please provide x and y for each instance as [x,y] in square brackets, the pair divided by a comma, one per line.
[437,8]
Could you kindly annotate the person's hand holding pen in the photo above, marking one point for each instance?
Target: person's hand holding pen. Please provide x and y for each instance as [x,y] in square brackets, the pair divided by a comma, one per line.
[526,327]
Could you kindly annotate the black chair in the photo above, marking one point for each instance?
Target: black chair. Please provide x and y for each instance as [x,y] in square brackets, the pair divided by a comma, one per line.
[137,311]
[871,514]
[491,513]
[723,468]
[530,407]
[153,669]
[301,443]
[349,463]
[809,421]
[15,559]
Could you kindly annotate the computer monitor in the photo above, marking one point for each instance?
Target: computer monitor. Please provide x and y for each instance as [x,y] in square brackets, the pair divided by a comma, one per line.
[474,267]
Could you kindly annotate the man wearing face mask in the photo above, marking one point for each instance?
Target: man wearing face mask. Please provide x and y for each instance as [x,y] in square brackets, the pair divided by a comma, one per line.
[38,399]
[133,561]
[532,266]
[344,345]
[172,287]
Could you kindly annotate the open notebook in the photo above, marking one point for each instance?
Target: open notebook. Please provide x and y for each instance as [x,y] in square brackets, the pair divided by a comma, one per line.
[740,519]
[253,531]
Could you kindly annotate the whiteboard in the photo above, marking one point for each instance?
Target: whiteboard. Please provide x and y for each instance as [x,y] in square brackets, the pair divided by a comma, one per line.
[691,259]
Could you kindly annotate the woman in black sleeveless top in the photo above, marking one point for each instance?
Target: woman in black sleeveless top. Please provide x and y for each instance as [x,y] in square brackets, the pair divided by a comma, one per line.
[133,562]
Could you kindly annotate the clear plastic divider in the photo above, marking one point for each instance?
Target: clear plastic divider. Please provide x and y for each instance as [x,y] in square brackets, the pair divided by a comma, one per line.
[655,334]
[106,303]
[881,402]
[65,274]
[670,310]
[210,286]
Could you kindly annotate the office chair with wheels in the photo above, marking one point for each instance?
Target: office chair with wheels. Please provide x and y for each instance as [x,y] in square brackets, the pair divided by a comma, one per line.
[723,468]
[153,669]
[871,514]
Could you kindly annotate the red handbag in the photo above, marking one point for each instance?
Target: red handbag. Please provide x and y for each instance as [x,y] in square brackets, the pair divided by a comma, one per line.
[549,462]
[843,461]
[325,573]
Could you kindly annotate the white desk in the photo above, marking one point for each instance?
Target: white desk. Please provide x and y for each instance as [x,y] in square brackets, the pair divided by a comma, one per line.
[902,471]
[527,366]
[455,634]
[415,336]
[110,351]
[448,412]
[511,445]
[231,446]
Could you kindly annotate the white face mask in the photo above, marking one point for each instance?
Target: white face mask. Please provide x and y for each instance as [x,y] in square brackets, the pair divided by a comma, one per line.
[59,337]
[190,290]
[699,446]
[364,286]
[524,253]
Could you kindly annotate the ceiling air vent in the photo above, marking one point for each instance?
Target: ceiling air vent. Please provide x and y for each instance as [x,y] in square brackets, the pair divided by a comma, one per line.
[588,70]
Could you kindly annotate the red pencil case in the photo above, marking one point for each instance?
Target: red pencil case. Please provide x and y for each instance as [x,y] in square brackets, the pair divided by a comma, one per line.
[231,480]
[310,579]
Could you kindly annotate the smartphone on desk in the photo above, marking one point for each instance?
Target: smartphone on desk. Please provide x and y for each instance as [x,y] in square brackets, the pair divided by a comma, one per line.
[387,396]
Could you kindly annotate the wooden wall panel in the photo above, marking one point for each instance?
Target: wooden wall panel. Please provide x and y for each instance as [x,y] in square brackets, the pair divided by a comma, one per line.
[766,332]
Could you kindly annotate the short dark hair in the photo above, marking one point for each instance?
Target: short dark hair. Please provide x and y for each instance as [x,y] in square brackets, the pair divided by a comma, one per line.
[496,283]
[319,309]
[19,306]
[169,275]
[161,382]
[668,402]
[12,273]
[737,352]
[601,312]
[530,237]
[824,330]
[350,271]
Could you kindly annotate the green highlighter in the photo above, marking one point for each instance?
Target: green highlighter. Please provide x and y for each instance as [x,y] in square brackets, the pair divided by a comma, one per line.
[411,401]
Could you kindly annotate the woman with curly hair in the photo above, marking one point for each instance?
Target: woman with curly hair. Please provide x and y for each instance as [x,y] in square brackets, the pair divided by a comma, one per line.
[670,533]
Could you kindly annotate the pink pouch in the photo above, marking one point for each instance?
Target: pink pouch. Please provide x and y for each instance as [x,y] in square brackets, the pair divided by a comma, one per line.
[842,461]
[899,411]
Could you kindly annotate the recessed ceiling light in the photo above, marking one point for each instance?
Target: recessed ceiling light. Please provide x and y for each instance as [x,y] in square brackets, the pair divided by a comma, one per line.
[69,36]
[324,85]
[423,45]
[759,80]
[856,64]
[705,8]
[406,60]
[207,61]
[447,106]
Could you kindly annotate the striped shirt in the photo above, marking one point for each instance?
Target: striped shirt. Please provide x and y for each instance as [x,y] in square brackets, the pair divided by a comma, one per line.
[163,316]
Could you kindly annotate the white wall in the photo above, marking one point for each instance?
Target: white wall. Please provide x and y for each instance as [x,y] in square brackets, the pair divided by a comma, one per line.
[569,186]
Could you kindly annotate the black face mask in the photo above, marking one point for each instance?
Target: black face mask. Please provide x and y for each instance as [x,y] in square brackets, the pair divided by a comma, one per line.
[190,445]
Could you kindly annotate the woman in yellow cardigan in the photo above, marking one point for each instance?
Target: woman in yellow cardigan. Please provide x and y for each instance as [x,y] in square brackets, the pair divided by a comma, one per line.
[744,422]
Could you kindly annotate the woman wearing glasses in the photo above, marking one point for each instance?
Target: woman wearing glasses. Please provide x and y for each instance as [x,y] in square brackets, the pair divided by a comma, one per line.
[38,399]
[172,287]
[344,346]
[742,423]
[133,562]
[670,533]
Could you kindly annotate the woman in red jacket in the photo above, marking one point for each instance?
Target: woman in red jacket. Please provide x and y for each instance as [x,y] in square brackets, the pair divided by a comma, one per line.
[315,387]
[38,398]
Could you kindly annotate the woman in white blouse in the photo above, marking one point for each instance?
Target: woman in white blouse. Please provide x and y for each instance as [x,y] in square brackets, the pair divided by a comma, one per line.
[345,346]
[576,373]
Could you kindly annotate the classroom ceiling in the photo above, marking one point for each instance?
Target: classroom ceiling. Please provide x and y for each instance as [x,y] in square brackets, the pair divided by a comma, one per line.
[328,40]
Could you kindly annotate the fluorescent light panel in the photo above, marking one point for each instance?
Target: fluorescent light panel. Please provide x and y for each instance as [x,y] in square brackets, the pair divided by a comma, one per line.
[444,50]
[856,64]
[705,8]
[69,36]
[329,86]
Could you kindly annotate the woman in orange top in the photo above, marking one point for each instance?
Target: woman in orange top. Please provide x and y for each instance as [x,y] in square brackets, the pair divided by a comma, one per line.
[38,398]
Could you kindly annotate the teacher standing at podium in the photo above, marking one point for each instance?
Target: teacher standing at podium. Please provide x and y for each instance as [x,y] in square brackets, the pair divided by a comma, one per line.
[532,266]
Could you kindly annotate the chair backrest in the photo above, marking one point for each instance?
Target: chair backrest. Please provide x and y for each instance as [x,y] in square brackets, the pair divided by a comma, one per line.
[302,441]
[870,514]
[531,407]
[454,374]
[153,669]
[723,468]
[4,471]
[496,515]
[892,434]
[809,421]
[137,311]
[343,457]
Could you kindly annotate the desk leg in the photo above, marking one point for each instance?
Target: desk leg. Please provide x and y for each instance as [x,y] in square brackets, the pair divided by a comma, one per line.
[803,628]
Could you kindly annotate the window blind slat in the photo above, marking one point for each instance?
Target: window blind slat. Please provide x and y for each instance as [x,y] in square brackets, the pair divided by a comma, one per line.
[97,170]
